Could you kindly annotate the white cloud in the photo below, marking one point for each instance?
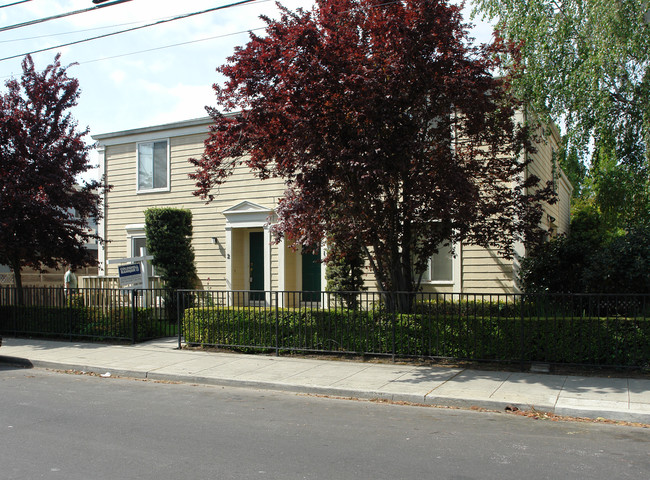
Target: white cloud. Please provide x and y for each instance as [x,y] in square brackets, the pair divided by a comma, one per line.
[118,77]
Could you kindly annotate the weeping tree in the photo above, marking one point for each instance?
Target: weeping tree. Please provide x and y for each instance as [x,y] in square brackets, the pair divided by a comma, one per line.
[586,66]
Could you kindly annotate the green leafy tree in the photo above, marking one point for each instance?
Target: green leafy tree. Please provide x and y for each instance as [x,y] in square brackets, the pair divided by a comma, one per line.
[169,241]
[622,265]
[344,271]
[591,259]
[585,61]
[585,66]
[559,266]
[620,190]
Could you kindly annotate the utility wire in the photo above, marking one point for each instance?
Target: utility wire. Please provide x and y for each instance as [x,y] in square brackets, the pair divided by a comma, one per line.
[73,31]
[15,3]
[61,15]
[180,17]
[162,47]
[89,29]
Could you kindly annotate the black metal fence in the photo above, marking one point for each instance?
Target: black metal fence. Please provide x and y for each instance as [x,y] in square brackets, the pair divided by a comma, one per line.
[90,313]
[603,330]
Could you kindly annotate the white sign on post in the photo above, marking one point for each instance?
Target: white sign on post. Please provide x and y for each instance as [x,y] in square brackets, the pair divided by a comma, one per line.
[127,273]
[130,275]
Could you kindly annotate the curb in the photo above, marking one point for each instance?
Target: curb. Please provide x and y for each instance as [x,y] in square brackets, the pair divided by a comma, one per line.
[431,400]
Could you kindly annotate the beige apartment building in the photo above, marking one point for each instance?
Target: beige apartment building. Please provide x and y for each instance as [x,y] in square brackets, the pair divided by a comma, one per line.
[148,167]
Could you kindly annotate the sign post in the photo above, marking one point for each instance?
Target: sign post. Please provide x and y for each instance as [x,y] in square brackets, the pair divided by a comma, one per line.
[133,275]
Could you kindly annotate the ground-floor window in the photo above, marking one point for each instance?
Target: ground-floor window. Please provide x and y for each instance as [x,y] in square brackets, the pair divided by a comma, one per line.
[440,268]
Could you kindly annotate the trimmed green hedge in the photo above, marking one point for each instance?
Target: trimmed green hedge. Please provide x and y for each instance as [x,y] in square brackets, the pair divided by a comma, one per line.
[79,321]
[580,340]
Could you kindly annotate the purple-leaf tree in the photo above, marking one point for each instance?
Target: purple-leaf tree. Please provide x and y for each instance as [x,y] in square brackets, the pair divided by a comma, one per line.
[388,128]
[44,210]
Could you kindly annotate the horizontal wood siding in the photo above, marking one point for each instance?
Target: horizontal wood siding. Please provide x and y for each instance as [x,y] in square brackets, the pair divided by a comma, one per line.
[544,164]
[564,205]
[126,206]
[484,271]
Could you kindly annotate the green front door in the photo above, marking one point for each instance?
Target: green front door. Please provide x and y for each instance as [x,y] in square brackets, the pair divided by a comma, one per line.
[311,277]
[256,267]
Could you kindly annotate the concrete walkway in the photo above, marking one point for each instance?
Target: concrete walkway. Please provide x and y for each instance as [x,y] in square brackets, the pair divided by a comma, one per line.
[625,399]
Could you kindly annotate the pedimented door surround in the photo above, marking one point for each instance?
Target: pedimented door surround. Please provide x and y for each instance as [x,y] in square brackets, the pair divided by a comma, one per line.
[248,215]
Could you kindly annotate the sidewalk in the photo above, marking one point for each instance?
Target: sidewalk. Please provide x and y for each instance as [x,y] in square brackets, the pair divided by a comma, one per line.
[625,399]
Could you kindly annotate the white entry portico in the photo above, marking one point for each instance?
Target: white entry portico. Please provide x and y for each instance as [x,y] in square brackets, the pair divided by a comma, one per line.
[248,247]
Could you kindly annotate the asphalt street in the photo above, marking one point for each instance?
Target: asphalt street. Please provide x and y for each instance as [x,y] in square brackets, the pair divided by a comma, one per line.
[56,425]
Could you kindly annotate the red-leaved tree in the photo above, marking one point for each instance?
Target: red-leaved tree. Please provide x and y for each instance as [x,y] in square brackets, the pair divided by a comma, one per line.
[44,212]
[388,128]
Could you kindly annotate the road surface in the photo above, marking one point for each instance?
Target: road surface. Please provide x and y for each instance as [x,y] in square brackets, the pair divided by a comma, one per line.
[65,426]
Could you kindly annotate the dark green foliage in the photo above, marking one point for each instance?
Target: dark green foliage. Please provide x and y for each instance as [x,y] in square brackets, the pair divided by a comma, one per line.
[344,272]
[169,240]
[622,265]
[552,268]
[590,259]
[83,322]
[542,331]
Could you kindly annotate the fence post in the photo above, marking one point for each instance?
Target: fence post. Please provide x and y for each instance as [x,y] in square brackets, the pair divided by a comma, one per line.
[67,302]
[522,334]
[134,315]
[15,309]
[394,321]
[277,325]
[12,301]
[178,316]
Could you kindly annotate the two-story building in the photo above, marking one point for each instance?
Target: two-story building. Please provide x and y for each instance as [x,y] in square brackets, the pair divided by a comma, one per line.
[148,167]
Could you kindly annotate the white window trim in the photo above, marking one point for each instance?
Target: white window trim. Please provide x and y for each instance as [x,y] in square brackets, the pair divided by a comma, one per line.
[137,167]
[133,231]
[455,270]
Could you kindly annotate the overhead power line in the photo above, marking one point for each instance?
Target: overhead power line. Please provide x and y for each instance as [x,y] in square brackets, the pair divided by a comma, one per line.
[179,17]
[71,32]
[15,3]
[162,47]
[61,15]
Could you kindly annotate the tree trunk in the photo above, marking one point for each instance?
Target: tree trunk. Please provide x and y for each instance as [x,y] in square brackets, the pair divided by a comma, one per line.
[18,282]
[394,278]
[400,295]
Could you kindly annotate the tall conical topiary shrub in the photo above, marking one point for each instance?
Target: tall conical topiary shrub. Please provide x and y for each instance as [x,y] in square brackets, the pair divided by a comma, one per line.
[169,241]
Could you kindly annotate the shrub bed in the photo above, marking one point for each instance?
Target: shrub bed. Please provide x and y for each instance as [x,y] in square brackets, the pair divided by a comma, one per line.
[580,340]
[79,321]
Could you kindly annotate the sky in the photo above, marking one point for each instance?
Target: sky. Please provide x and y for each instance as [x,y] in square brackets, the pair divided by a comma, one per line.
[132,80]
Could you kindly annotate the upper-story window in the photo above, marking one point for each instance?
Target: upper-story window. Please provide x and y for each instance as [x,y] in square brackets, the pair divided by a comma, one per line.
[153,166]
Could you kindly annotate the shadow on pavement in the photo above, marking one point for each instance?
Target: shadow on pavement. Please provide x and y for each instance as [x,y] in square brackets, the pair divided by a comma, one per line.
[13,363]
